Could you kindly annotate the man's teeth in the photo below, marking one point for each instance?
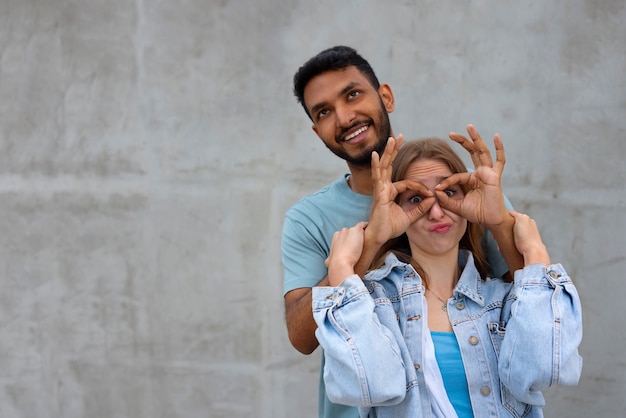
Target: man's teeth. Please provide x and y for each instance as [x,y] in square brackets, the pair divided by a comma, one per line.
[357,132]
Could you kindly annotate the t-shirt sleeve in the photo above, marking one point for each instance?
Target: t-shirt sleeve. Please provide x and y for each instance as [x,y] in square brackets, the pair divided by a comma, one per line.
[304,253]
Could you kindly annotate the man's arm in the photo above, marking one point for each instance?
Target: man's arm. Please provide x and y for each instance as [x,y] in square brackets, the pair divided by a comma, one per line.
[386,220]
[503,234]
[303,262]
[484,203]
[370,249]
[299,314]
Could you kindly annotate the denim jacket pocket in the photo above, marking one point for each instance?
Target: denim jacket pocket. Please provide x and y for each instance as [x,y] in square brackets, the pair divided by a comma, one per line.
[516,408]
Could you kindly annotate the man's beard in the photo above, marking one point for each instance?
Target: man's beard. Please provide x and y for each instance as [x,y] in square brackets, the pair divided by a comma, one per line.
[364,159]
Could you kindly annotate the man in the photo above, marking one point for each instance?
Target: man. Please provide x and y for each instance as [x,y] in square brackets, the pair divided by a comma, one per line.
[349,109]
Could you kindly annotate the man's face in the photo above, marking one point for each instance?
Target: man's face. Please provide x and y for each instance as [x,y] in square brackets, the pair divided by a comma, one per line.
[349,115]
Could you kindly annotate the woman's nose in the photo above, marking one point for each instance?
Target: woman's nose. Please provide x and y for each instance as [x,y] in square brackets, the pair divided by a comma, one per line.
[435,212]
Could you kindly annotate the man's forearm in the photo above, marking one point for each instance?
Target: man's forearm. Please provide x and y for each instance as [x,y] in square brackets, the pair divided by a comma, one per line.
[300,323]
[370,249]
[503,234]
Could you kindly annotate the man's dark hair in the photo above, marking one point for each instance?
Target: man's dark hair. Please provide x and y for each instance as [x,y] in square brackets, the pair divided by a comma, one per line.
[335,58]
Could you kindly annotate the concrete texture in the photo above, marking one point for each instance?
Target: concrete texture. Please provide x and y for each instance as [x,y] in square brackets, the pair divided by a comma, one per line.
[149,149]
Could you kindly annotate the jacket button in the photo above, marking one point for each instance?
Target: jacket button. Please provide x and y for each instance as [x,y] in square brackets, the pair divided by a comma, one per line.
[485,391]
[473,340]
[553,275]
[460,305]
[417,366]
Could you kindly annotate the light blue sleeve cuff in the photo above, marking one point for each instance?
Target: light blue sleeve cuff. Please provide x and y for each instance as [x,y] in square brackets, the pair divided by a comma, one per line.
[553,275]
[326,296]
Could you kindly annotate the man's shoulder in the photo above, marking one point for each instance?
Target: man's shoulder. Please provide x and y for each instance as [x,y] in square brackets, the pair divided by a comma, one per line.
[328,210]
[321,199]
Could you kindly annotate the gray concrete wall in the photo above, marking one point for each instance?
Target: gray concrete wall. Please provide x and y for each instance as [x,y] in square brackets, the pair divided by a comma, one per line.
[149,149]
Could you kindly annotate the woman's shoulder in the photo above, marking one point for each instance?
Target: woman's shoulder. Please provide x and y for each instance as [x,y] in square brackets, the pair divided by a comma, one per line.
[392,267]
[392,278]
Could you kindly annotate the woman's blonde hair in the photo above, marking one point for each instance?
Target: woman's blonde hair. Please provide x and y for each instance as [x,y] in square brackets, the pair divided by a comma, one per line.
[438,150]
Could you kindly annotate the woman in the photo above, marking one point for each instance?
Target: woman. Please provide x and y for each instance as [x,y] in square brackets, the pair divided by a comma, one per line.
[426,333]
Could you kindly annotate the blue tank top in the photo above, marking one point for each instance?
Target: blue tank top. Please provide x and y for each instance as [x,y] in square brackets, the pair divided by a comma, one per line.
[450,363]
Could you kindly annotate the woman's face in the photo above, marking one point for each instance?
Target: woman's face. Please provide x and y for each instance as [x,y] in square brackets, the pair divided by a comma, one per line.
[439,230]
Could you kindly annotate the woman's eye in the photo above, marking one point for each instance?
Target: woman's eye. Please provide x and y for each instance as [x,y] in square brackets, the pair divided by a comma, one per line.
[416,199]
[454,193]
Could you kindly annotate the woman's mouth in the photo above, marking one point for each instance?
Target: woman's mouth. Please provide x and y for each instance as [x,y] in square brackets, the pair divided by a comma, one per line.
[440,228]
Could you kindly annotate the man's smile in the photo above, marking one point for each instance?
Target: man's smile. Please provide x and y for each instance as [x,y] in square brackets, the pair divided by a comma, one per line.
[354,136]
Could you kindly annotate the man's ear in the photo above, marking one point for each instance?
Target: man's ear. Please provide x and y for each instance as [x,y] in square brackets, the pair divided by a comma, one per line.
[387,97]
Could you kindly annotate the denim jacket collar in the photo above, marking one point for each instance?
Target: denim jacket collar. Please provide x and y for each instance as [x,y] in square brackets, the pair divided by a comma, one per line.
[402,270]
[469,285]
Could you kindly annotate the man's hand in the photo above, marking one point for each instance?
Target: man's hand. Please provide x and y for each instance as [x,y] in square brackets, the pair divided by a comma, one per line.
[484,202]
[388,220]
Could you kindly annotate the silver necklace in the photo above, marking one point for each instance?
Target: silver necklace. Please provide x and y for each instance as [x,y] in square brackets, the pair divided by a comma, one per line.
[444,307]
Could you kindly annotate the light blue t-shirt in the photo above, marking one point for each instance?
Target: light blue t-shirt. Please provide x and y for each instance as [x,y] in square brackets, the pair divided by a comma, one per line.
[307,234]
[448,355]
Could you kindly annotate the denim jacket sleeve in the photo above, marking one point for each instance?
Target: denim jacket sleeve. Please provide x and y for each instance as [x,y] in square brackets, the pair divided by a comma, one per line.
[363,364]
[540,347]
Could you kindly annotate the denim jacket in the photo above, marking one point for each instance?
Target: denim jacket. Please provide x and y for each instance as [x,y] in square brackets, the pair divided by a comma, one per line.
[515,339]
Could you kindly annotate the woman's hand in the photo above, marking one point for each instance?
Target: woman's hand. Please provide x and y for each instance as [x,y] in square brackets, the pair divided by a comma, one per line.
[345,250]
[484,203]
[528,240]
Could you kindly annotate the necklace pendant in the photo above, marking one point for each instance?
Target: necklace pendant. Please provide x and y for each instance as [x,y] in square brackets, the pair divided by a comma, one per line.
[444,308]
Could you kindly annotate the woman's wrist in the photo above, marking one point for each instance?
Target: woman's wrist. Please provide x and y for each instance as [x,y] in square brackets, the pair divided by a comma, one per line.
[537,254]
[338,272]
